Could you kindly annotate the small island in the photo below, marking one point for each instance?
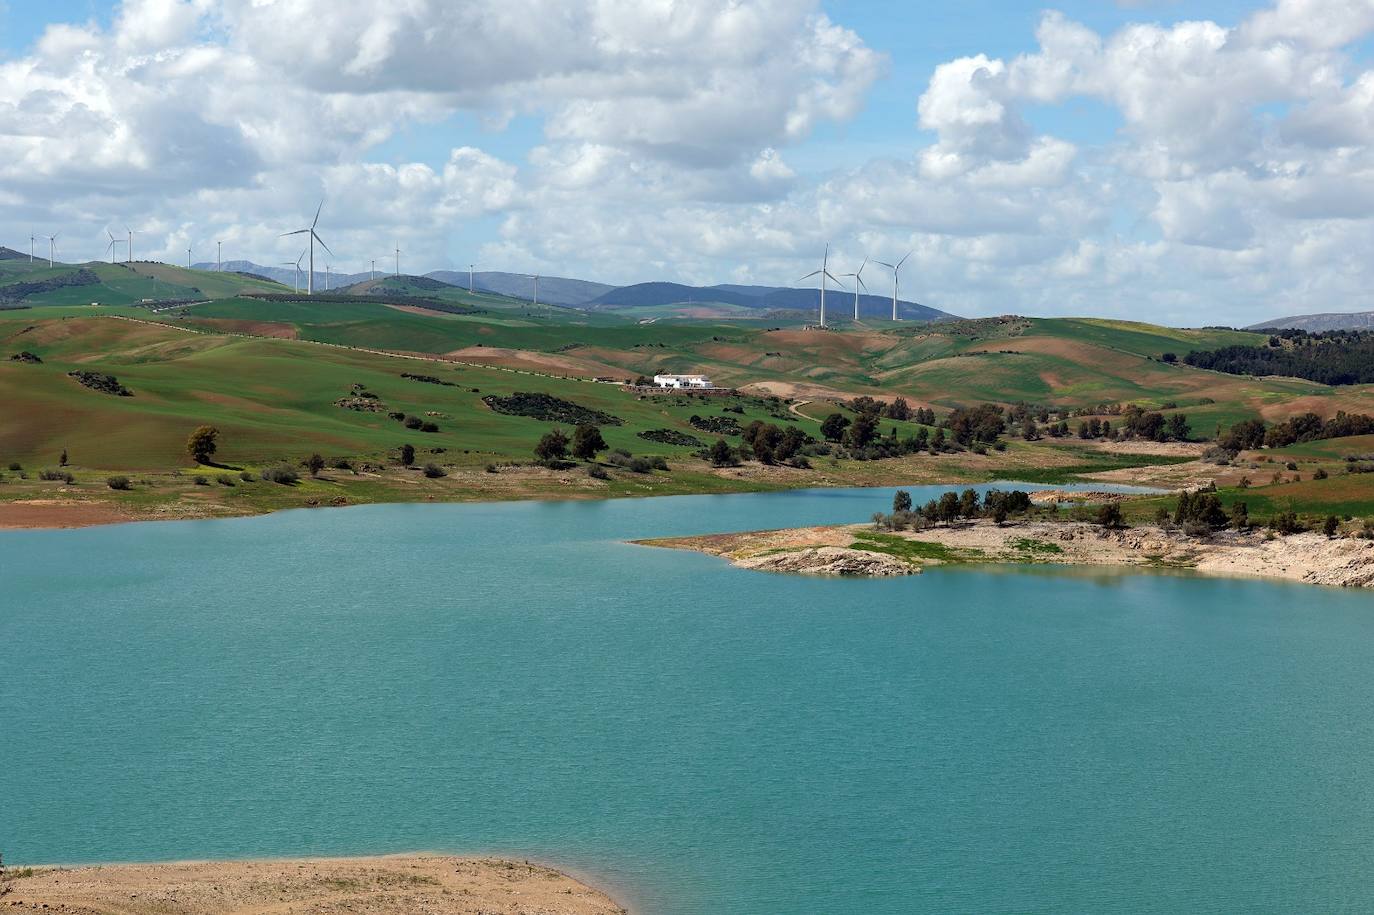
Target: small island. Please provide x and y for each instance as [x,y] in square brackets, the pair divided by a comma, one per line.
[1035,529]
[388,885]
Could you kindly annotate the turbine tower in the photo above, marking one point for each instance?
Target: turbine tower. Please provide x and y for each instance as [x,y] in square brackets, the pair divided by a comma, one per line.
[398,260]
[188,257]
[535,277]
[895,268]
[824,274]
[326,276]
[31,240]
[52,248]
[858,282]
[113,242]
[219,255]
[314,237]
[374,268]
[130,249]
[470,266]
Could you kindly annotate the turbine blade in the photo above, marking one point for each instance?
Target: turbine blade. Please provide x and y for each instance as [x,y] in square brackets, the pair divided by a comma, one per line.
[297,232]
[885,264]
[903,260]
[321,241]
[809,275]
[317,213]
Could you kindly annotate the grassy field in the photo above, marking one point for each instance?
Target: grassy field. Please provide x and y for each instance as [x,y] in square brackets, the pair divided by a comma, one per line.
[269,375]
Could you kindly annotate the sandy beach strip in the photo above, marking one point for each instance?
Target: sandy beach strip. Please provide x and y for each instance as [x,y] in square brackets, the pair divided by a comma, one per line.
[419,884]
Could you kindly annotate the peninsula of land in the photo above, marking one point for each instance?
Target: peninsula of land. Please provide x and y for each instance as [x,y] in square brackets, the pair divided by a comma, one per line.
[860,550]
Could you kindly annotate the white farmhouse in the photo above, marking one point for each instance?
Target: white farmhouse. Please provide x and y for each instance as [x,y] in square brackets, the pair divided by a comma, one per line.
[694,382]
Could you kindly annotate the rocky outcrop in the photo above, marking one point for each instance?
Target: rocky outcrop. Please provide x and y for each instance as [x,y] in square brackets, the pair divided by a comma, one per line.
[829,560]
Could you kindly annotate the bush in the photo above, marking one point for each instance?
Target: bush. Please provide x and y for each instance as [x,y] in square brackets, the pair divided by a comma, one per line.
[413,422]
[15,465]
[1331,526]
[658,462]
[407,455]
[282,474]
[640,465]
[434,471]
[314,464]
[1109,516]
[597,472]
[224,480]
[429,427]
[1286,523]
[202,444]
[552,446]
[1319,474]
[722,455]
[341,464]
[201,481]
[118,483]
[247,477]
[56,475]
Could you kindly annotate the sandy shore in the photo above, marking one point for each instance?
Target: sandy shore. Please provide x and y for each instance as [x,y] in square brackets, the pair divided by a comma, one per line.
[858,549]
[393,885]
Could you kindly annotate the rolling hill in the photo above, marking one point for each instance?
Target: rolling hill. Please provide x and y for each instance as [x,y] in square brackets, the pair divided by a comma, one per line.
[764,298]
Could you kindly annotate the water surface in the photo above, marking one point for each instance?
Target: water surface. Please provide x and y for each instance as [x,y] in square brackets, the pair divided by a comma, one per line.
[515,678]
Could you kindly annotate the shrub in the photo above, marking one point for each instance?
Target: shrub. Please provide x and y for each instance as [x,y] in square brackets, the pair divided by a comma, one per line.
[1319,474]
[1331,526]
[1109,516]
[587,441]
[597,472]
[1286,523]
[282,474]
[658,462]
[118,483]
[201,481]
[247,477]
[722,455]
[434,471]
[640,465]
[56,475]
[341,464]
[407,455]
[15,465]
[224,480]
[314,464]
[413,422]
[491,468]
[429,427]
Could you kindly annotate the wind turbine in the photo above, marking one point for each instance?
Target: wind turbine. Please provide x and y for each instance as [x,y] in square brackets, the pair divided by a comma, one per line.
[130,249]
[374,268]
[535,277]
[31,241]
[326,276]
[52,248]
[219,255]
[188,257]
[113,241]
[296,281]
[470,266]
[398,260]
[894,268]
[823,273]
[314,237]
[858,282]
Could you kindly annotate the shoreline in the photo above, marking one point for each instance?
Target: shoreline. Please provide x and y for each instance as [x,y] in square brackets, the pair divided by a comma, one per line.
[54,512]
[391,884]
[858,550]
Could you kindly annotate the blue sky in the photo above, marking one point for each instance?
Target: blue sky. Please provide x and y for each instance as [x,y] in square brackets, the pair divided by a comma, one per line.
[1182,161]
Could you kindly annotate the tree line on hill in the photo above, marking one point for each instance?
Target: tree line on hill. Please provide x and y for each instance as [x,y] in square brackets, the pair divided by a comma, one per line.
[1332,357]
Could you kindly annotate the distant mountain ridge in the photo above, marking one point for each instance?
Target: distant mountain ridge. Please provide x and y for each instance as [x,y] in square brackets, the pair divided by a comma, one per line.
[767,298]
[1323,321]
[578,293]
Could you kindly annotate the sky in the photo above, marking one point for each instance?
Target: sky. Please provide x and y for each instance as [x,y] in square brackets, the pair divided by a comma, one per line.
[1189,163]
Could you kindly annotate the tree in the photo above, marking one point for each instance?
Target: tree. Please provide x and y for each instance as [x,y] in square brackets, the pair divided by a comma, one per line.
[722,455]
[1331,525]
[553,446]
[587,441]
[833,427]
[898,409]
[1176,427]
[202,444]
[1240,516]
[62,460]
[790,444]
[314,464]
[407,455]
[968,503]
[863,430]
[1170,358]
[901,501]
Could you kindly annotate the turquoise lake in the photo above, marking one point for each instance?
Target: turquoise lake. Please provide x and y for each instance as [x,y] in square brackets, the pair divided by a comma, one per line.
[514,678]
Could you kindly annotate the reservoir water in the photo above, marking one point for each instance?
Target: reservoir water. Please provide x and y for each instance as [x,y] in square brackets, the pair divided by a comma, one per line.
[514,678]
